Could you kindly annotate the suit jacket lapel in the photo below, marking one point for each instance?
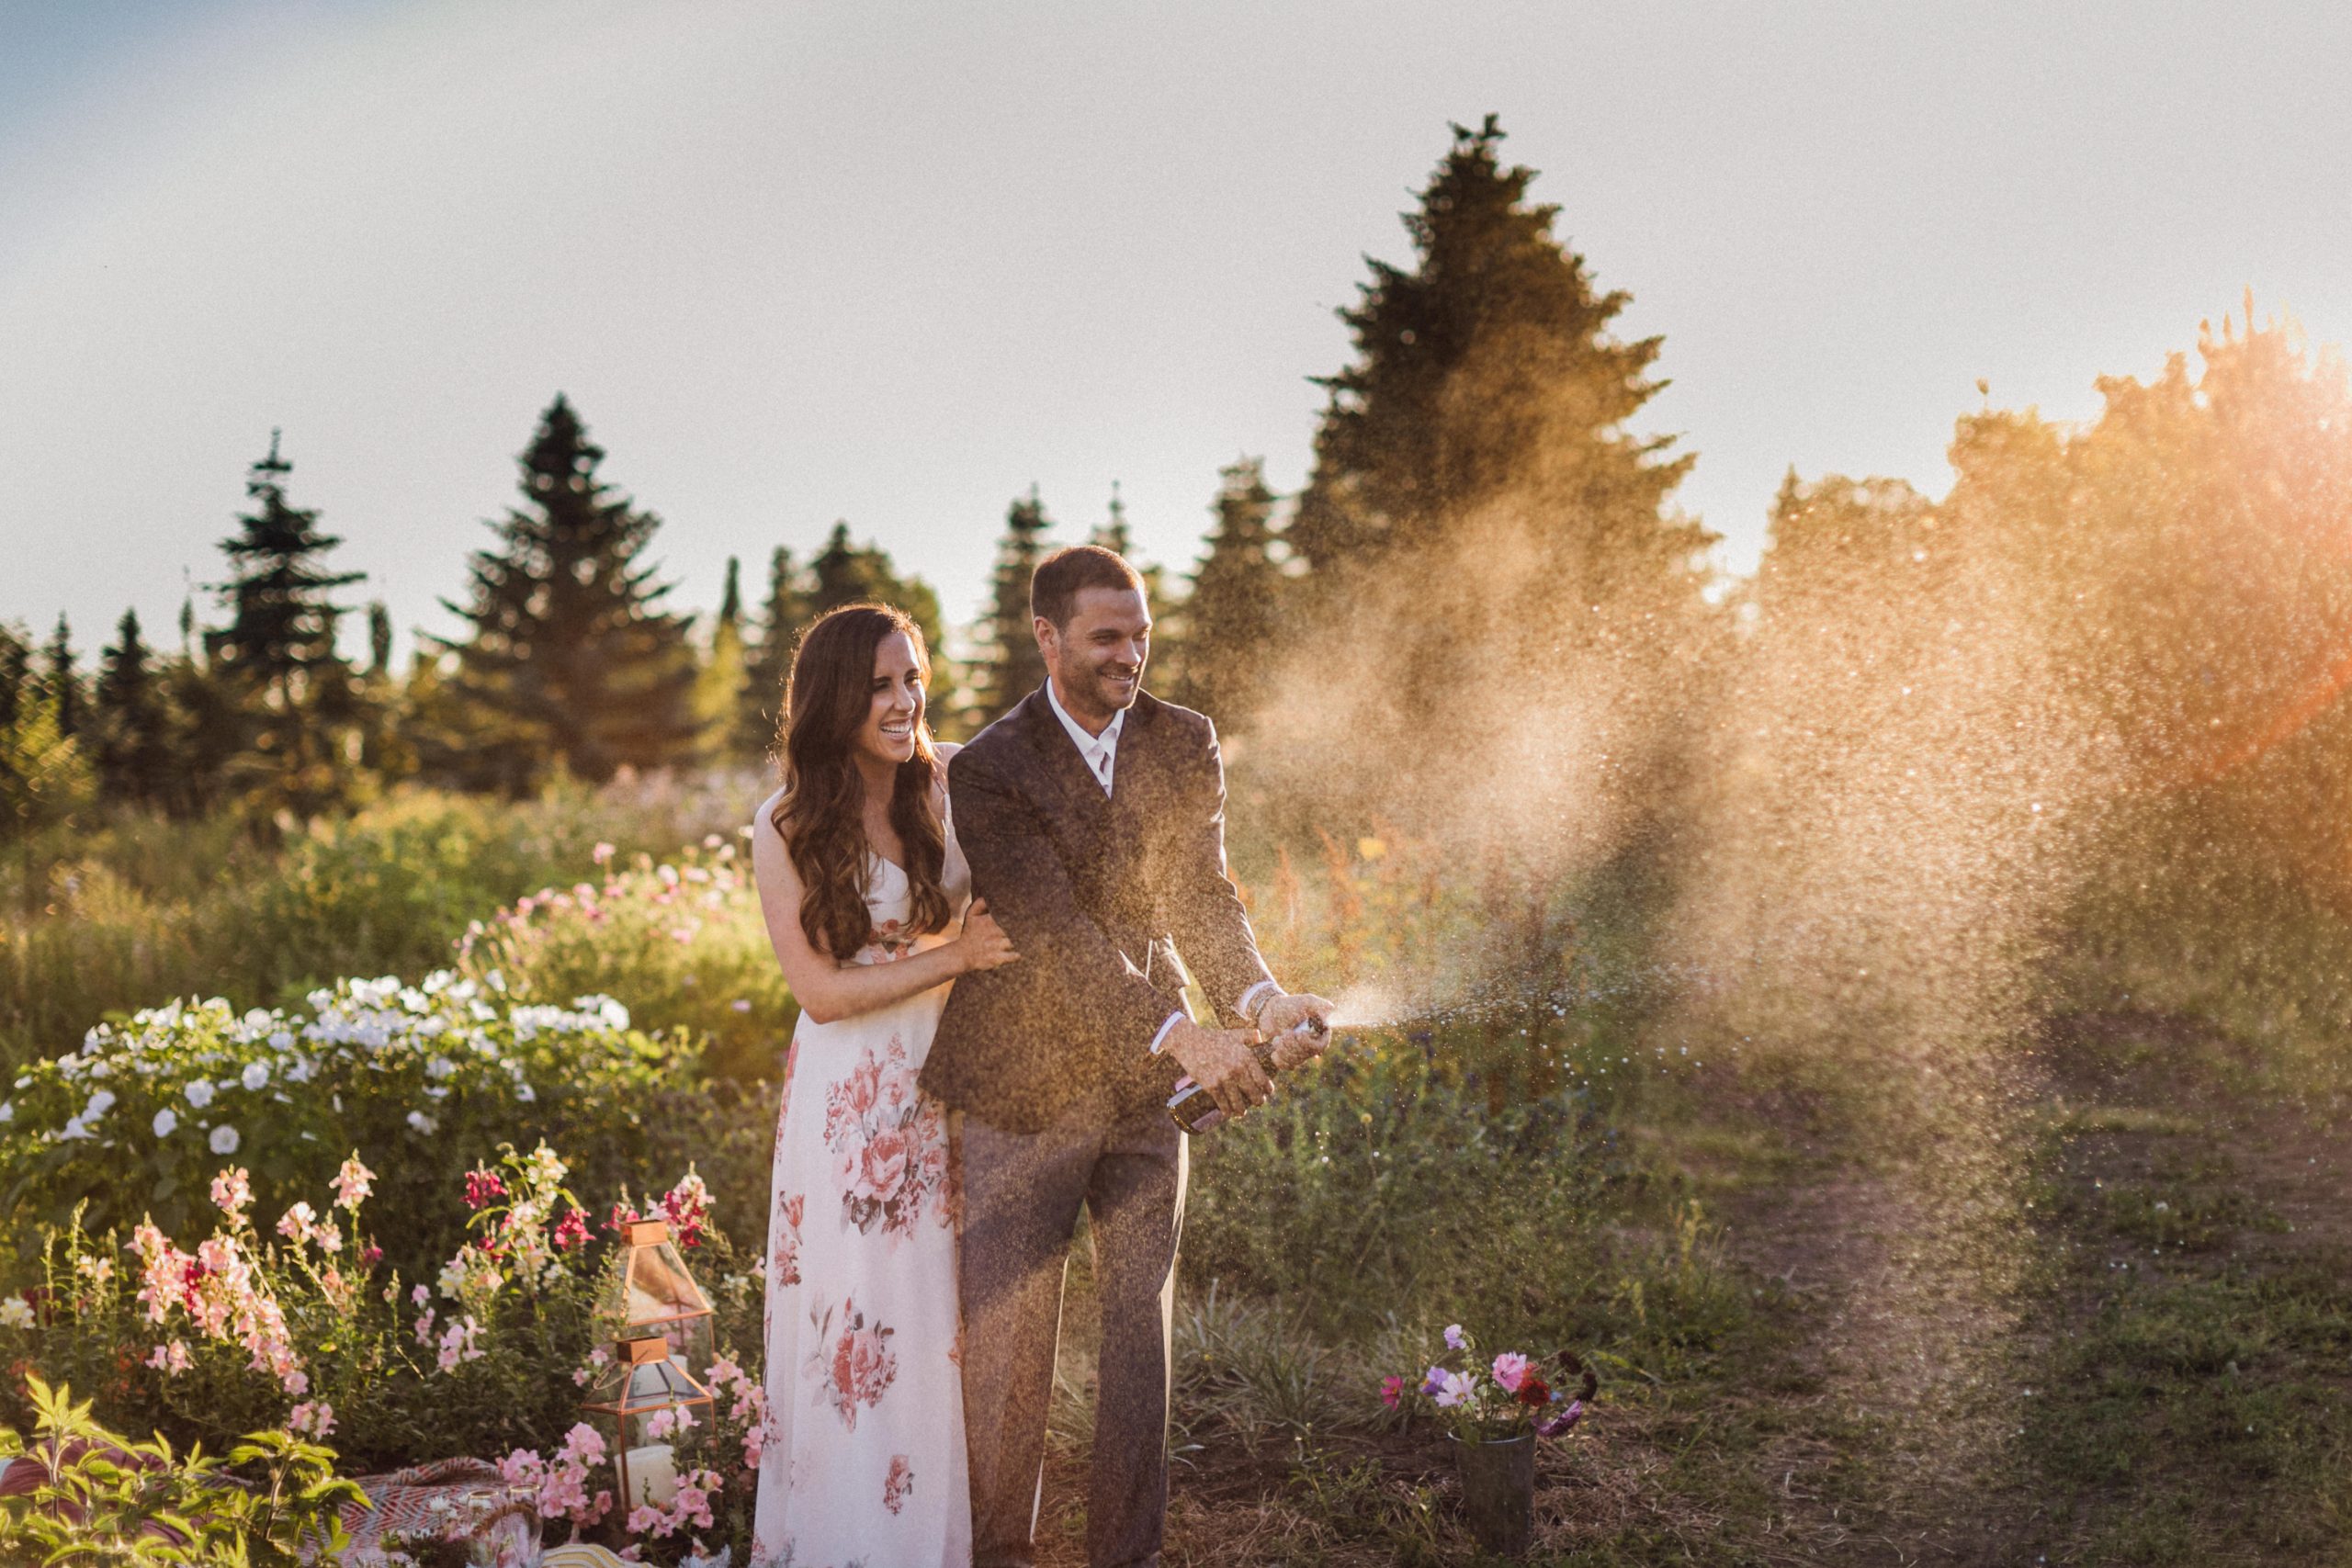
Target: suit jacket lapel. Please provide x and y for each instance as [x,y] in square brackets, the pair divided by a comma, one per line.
[1082,791]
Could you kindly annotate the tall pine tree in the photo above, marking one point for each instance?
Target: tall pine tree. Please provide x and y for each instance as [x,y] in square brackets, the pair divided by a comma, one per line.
[276,660]
[64,681]
[1011,666]
[718,690]
[569,660]
[1484,373]
[133,721]
[1232,618]
[782,615]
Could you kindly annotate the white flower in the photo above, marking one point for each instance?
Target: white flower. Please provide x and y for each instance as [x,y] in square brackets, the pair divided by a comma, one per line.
[73,1129]
[423,1123]
[255,1075]
[101,1101]
[16,1312]
[200,1093]
[224,1140]
[7,1111]
[167,1121]
[280,1040]
[439,1067]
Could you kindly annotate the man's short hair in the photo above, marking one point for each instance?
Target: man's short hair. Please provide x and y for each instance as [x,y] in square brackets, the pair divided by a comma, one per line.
[1053,592]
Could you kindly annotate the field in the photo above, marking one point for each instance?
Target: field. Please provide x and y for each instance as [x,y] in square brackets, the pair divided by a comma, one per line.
[2081,1297]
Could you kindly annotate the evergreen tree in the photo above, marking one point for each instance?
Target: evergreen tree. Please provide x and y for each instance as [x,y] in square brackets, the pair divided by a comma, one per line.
[65,682]
[1482,372]
[44,777]
[379,639]
[769,660]
[718,690]
[133,721]
[15,671]
[1232,616]
[569,660]
[281,639]
[1012,667]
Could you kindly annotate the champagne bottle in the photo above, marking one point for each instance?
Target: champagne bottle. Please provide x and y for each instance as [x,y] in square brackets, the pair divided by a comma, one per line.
[1192,1109]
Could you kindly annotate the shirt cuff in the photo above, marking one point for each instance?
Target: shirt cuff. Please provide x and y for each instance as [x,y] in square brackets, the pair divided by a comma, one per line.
[1161,1038]
[1249,998]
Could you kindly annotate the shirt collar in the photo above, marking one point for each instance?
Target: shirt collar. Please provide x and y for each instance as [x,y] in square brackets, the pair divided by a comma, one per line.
[1087,744]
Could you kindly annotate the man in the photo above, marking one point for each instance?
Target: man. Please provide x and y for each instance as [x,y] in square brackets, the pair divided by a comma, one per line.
[1093,817]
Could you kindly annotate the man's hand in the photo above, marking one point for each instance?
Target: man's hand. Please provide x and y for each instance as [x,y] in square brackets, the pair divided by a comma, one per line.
[1281,1014]
[1221,1062]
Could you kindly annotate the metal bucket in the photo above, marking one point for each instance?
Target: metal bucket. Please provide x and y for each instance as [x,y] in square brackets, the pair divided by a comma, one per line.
[1499,1492]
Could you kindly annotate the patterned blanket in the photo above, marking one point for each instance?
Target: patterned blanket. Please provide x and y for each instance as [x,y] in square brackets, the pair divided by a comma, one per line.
[458,1510]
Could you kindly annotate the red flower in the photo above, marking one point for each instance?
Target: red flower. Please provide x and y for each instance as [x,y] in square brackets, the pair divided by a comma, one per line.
[1533,1391]
[481,1187]
[571,1231]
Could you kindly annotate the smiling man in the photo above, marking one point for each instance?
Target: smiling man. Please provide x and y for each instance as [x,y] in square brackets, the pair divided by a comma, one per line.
[1093,817]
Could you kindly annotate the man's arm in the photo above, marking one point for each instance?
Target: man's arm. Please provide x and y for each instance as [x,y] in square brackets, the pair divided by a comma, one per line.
[1016,868]
[1212,929]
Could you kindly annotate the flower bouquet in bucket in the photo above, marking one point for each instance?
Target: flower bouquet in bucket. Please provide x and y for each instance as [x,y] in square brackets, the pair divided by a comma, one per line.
[1495,1410]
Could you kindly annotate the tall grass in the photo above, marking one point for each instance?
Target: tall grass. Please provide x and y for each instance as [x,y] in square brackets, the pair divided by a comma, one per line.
[134,910]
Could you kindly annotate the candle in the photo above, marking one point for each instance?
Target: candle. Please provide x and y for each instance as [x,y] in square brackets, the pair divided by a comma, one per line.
[651,1475]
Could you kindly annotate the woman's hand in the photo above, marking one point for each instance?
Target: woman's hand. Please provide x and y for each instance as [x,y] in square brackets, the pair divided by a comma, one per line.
[982,944]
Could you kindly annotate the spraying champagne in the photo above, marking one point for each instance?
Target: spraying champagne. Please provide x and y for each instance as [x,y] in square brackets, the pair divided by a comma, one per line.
[1192,1109]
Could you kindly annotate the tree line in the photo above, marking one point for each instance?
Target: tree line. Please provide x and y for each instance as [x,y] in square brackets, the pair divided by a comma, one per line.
[1485,582]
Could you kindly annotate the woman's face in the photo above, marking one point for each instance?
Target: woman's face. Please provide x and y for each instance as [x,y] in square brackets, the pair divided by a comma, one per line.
[894,705]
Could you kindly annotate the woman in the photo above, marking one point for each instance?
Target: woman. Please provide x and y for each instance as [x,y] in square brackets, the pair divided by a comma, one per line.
[861,883]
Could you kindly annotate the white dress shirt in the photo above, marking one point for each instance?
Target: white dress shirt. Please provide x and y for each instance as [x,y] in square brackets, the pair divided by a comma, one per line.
[1101,755]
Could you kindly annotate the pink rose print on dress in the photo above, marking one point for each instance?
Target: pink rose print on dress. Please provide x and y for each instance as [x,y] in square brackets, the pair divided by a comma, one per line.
[890,941]
[852,1366]
[890,1145]
[898,1484]
[786,1264]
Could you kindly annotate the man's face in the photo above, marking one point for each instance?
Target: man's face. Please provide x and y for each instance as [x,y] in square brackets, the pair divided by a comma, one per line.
[1097,661]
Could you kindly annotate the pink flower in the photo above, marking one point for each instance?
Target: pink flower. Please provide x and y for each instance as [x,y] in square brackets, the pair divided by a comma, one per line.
[1392,1392]
[317,1420]
[231,1191]
[353,1183]
[1509,1367]
[601,854]
[170,1360]
[458,1344]
[482,1187]
[298,1223]
[570,1231]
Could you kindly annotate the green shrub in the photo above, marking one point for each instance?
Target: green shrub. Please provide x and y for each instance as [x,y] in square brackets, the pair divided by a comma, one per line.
[272,1504]
[683,939]
[423,1080]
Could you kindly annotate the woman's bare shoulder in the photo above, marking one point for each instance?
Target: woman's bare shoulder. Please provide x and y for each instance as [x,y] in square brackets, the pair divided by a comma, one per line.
[945,750]
[764,814]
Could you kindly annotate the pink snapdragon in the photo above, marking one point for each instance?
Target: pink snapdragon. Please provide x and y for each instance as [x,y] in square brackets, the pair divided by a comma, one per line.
[298,1223]
[171,1360]
[458,1344]
[354,1183]
[314,1420]
[231,1192]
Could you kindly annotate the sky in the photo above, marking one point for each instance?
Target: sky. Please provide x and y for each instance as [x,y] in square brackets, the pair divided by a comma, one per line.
[895,264]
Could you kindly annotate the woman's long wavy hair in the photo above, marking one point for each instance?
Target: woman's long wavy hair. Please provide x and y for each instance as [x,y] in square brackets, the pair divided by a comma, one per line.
[825,699]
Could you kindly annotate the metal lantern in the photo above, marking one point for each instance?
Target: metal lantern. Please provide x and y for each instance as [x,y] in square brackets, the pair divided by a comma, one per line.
[650,1292]
[638,1384]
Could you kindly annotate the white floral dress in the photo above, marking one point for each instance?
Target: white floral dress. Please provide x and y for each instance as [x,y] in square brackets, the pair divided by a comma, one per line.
[864,1464]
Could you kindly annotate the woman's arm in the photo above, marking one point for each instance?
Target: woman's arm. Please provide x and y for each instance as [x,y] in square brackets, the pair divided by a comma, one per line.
[827,991]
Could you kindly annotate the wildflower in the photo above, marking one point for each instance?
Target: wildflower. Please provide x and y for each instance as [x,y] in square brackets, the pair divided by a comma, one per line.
[224,1140]
[602,854]
[1434,1380]
[298,1223]
[255,1077]
[423,1123]
[1454,1337]
[482,1186]
[370,1255]
[458,1344]
[425,1325]
[1392,1392]
[1456,1388]
[353,1183]
[571,1231]
[170,1360]
[231,1191]
[317,1420]
[167,1122]
[16,1312]
[1509,1367]
[200,1093]
[94,1267]
[101,1101]
[1533,1392]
